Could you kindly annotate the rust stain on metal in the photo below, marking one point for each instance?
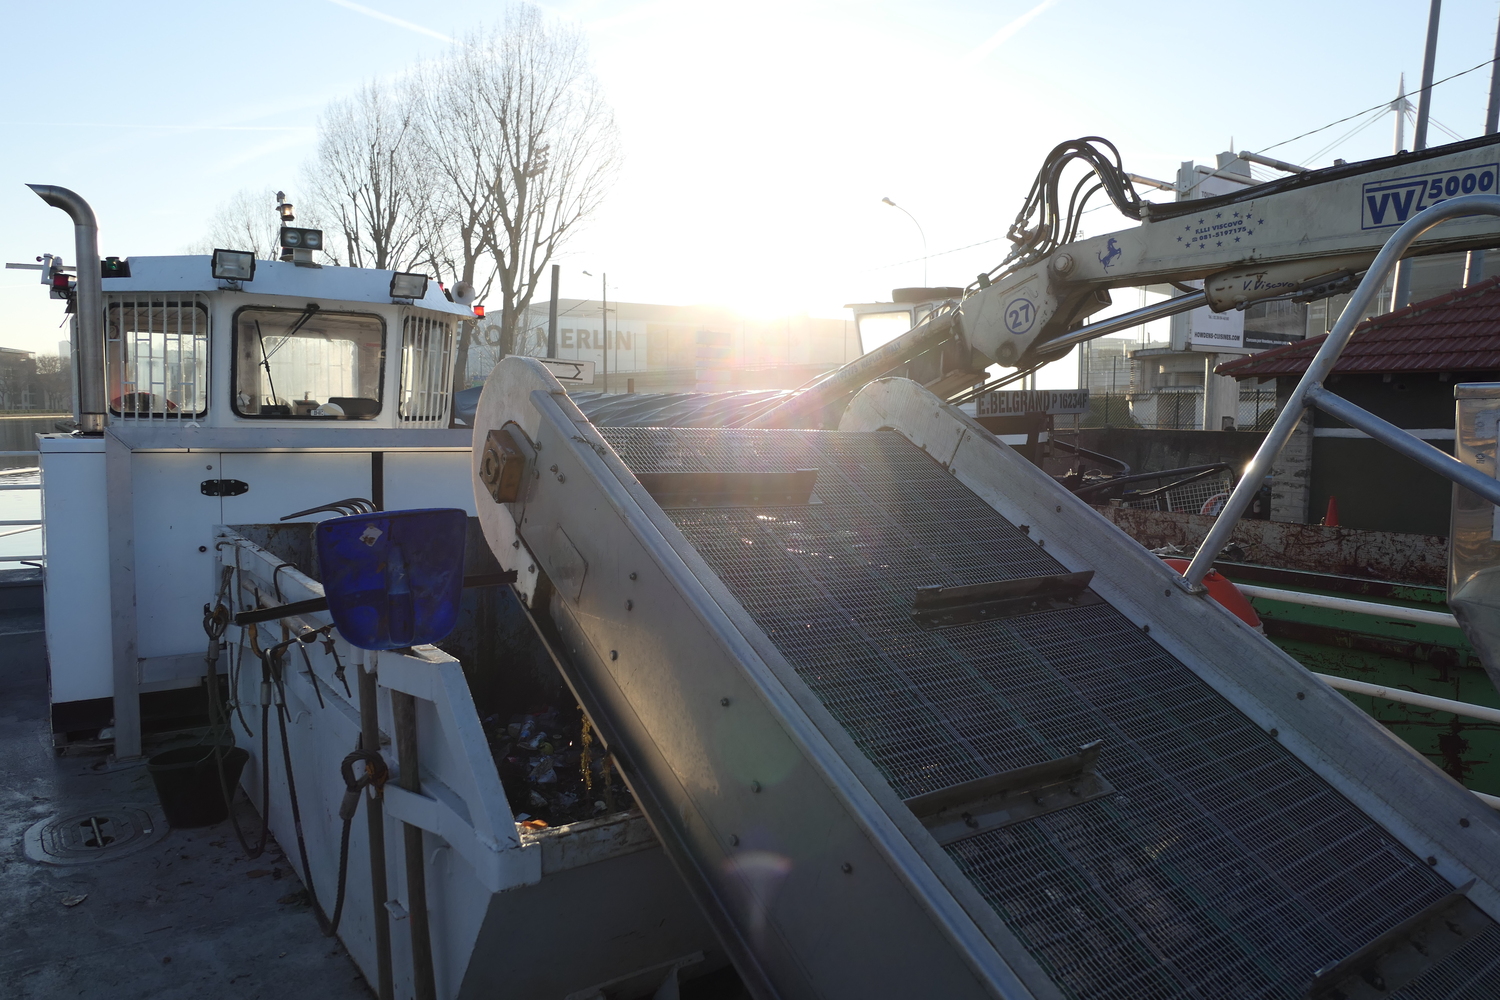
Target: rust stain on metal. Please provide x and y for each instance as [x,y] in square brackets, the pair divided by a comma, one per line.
[1442,658]
[1374,555]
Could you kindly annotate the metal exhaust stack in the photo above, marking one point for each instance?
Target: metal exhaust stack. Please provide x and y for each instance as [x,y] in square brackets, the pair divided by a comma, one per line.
[89,305]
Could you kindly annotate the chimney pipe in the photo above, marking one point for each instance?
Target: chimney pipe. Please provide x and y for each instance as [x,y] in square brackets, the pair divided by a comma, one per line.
[89,306]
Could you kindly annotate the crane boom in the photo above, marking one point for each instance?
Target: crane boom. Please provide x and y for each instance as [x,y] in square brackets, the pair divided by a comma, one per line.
[1307,235]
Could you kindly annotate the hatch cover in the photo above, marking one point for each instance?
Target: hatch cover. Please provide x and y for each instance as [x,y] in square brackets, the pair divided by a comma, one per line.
[100,834]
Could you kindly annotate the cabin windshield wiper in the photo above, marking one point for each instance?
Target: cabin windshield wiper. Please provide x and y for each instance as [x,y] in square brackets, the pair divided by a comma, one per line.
[265,358]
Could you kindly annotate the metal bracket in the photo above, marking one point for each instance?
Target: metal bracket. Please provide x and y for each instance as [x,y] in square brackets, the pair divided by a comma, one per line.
[936,607]
[1404,952]
[223,487]
[502,466]
[730,489]
[1024,793]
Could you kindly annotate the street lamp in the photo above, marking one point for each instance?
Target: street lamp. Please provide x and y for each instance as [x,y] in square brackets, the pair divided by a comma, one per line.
[604,321]
[914,222]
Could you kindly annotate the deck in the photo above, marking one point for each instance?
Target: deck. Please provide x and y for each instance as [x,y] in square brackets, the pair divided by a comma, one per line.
[187,916]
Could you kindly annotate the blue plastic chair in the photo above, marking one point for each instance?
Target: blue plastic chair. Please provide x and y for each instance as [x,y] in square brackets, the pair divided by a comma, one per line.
[394,578]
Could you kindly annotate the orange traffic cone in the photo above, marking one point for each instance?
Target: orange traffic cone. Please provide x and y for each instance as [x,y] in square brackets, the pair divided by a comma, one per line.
[1331,518]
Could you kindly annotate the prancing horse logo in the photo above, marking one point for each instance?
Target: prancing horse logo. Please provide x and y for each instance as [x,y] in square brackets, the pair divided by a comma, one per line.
[1111,252]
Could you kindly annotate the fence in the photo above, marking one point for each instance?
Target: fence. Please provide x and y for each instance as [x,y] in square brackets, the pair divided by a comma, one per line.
[20,494]
[1257,410]
[1175,410]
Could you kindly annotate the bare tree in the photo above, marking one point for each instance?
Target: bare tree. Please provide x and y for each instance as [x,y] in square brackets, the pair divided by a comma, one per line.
[54,376]
[526,147]
[248,221]
[367,180]
[453,145]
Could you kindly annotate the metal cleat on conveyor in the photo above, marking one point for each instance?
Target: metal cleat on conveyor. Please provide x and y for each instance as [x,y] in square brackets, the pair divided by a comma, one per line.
[911,720]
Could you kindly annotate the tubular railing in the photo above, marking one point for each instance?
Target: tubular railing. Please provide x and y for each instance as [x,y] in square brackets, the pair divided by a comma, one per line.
[17,527]
[1310,392]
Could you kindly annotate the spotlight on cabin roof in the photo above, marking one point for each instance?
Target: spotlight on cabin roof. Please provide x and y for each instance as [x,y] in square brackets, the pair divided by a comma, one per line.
[291,236]
[297,245]
[405,285]
[234,265]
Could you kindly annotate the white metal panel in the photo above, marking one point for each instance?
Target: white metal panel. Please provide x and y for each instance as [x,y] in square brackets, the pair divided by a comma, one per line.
[281,278]
[173,519]
[428,479]
[282,483]
[477,822]
[75,509]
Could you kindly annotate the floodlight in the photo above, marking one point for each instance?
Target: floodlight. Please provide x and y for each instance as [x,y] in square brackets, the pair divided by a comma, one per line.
[408,286]
[312,239]
[234,265]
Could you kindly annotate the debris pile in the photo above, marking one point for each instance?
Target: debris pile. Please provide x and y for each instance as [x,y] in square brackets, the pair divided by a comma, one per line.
[554,768]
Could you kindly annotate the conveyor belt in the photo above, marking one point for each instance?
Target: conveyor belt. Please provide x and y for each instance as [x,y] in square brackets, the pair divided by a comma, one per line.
[1222,866]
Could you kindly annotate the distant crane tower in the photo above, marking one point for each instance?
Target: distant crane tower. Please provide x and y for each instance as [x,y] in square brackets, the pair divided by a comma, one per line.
[1402,107]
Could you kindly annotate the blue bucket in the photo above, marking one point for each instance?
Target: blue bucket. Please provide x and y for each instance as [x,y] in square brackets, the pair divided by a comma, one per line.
[394,578]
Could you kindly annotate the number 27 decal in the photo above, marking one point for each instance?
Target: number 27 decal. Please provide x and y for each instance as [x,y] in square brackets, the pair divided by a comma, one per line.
[1020,314]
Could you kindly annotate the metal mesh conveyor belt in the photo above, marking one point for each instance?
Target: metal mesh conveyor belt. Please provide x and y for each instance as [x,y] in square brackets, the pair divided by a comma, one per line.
[1221,867]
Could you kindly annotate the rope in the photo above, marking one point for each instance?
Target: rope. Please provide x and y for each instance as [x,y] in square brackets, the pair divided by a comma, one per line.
[274,656]
[375,773]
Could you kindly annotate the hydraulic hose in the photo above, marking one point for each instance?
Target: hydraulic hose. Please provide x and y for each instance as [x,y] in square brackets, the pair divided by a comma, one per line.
[274,656]
[215,621]
[374,775]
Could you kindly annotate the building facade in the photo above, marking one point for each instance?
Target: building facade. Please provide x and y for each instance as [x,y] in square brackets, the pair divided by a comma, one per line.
[645,347]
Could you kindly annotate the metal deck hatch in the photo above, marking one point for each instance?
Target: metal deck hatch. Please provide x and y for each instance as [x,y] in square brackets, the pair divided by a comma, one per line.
[1221,865]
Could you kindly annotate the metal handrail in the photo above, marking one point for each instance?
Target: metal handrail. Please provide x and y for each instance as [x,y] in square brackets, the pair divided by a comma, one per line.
[1413,698]
[25,525]
[1310,392]
[1394,612]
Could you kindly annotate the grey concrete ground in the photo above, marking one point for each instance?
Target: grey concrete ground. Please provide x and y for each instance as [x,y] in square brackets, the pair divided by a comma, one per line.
[189,916]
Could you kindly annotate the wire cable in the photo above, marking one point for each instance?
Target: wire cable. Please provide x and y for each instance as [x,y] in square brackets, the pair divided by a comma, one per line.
[1382,106]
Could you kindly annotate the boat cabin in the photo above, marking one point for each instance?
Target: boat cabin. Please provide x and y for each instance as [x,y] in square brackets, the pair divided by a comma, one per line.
[237,392]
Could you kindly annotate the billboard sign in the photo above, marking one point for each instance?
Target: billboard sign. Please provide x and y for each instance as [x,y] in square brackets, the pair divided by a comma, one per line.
[1019,402]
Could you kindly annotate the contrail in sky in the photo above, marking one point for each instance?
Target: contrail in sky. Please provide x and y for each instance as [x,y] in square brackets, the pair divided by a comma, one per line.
[992,43]
[178,128]
[408,25]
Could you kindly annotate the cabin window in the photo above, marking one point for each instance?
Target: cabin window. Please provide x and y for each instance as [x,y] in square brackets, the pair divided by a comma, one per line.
[307,364]
[156,357]
[426,369]
[879,329]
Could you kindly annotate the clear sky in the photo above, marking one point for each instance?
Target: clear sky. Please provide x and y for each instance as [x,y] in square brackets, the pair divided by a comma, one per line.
[760,138]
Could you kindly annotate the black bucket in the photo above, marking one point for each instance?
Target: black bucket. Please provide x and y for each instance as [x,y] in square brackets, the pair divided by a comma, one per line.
[187,782]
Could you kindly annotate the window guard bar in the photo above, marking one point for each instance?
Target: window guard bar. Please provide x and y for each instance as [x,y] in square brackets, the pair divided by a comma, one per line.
[1310,392]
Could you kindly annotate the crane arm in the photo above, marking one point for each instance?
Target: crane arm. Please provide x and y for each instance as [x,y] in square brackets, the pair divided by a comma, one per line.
[1269,240]
[1308,235]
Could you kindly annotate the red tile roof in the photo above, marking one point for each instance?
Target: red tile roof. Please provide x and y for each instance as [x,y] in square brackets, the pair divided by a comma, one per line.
[1456,332]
